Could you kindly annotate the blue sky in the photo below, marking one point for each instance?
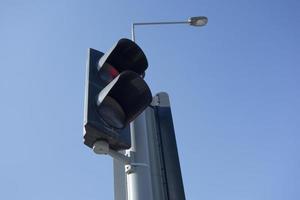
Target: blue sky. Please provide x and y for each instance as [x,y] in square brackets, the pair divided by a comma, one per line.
[234,89]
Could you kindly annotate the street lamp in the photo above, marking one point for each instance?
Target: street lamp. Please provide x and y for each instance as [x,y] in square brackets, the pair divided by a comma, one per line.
[193,21]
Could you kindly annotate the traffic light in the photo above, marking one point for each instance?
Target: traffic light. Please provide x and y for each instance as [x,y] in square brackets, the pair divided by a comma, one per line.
[115,93]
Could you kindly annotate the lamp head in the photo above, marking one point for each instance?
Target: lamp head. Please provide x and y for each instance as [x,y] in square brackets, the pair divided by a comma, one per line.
[198,21]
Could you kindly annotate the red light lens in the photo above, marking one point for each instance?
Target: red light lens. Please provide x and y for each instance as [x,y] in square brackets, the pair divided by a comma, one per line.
[108,72]
[113,72]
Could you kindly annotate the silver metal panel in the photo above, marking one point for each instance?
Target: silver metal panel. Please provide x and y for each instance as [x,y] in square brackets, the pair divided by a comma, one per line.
[139,185]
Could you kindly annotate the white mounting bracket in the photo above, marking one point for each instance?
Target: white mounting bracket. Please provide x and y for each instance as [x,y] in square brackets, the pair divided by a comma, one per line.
[102,147]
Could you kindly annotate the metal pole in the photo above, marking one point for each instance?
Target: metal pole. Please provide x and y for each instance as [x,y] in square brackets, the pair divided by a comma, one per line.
[139,183]
[139,186]
[138,176]
[133,32]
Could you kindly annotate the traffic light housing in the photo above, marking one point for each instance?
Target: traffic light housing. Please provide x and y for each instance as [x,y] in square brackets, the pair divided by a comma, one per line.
[115,93]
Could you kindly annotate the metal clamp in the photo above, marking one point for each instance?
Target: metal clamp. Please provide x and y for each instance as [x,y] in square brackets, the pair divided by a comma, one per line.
[132,166]
[102,147]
